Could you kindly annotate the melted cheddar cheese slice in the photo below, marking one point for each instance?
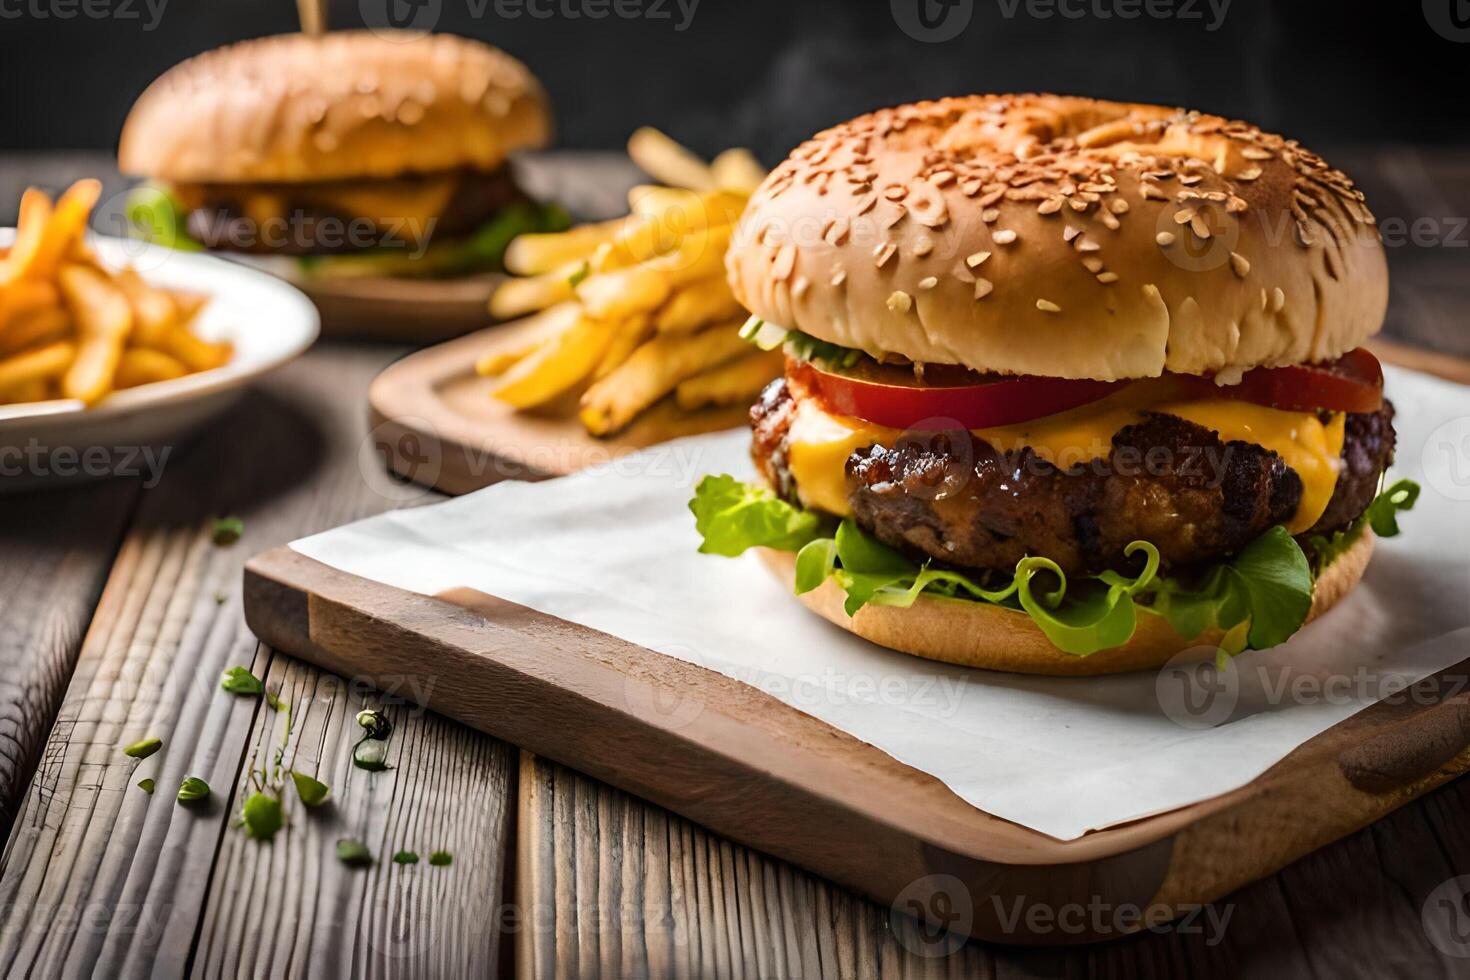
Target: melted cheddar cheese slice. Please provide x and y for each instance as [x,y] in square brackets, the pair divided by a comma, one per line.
[819,442]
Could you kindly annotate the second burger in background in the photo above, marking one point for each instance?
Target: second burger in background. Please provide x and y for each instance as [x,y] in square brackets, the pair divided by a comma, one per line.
[355,154]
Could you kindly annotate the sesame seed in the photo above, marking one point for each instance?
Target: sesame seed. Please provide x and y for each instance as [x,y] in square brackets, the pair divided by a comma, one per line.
[1050,206]
[1183,216]
[977,259]
[1249,174]
[800,286]
[928,282]
[983,288]
[1047,306]
[923,246]
[1004,236]
[900,301]
[1092,263]
[1070,232]
[1107,277]
[1278,300]
[1198,226]
[884,252]
[1086,244]
[1240,264]
[1119,205]
[1165,238]
[989,215]
[839,277]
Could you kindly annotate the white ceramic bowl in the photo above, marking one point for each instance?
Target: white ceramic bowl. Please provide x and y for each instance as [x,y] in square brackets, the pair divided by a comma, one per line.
[268,321]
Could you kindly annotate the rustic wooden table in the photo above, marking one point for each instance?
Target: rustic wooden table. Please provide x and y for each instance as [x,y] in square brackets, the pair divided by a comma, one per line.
[118,613]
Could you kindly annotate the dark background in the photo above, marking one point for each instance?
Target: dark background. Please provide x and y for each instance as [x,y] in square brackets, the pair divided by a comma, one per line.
[765,74]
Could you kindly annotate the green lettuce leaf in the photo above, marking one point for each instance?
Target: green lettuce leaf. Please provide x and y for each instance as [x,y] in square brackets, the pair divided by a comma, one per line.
[1258,598]
[732,516]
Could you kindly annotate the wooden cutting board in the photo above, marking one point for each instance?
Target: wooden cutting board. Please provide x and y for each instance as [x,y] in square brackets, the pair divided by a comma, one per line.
[435,423]
[754,769]
[757,770]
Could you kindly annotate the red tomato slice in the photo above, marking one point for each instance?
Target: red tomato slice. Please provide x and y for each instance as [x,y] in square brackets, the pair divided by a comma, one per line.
[966,406]
[1352,383]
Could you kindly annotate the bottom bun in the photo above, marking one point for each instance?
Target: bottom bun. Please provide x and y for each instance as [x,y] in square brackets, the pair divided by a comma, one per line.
[978,634]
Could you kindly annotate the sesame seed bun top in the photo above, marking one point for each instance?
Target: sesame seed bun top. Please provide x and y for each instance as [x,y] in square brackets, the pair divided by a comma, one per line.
[352,104]
[1065,237]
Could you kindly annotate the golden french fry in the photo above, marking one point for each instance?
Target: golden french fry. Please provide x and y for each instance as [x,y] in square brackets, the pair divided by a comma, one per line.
[35,216]
[517,297]
[623,293]
[737,170]
[189,305]
[89,377]
[538,329]
[696,304]
[668,162]
[681,209]
[532,254]
[735,382]
[141,366]
[653,371]
[24,296]
[64,229]
[630,334]
[34,327]
[154,310]
[40,364]
[34,390]
[558,365]
[104,318]
[196,353]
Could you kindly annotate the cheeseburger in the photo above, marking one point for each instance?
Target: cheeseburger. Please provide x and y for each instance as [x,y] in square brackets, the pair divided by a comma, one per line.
[1071,386]
[354,153]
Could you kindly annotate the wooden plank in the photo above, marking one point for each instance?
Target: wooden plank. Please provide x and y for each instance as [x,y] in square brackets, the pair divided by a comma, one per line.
[99,877]
[58,550]
[304,915]
[612,886]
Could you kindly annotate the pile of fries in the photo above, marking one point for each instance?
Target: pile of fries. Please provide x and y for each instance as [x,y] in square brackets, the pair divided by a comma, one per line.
[70,328]
[637,311]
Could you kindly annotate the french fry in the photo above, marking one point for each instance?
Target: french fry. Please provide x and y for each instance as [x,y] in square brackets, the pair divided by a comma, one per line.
[154,310]
[668,162]
[533,254]
[34,390]
[558,365]
[25,296]
[141,366]
[737,170]
[35,214]
[543,326]
[624,293]
[735,382]
[104,318]
[653,371]
[517,297]
[65,227]
[196,353]
[630,334]
[696,304]
[34,327]
[41,364]
[682,210]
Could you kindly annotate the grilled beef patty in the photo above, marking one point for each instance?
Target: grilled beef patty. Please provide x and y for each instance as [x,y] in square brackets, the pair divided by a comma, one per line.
[1197,498]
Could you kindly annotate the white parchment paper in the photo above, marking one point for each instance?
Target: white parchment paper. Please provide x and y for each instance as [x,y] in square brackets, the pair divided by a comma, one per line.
[614,549]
